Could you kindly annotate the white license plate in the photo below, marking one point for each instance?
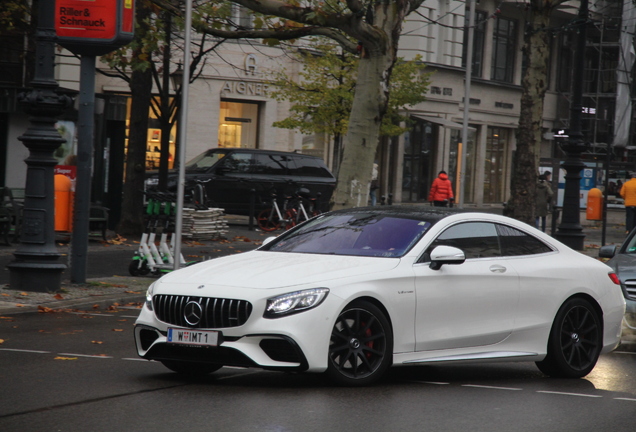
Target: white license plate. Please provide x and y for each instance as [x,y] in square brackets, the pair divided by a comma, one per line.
[193,337]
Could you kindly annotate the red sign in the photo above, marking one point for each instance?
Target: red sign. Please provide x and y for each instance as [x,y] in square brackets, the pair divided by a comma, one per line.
[86,19]
[94,26]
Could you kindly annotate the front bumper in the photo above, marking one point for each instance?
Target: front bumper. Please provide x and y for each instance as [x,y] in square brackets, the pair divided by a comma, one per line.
[275,352]
[297,343]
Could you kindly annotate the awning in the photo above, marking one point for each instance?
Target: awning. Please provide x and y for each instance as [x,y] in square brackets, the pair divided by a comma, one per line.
[442,122]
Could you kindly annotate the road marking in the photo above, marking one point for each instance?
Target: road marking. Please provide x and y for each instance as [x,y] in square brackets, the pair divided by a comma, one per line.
[85,355]
[624,352]
[626,399]
[91,314]
[138,359]
[491,387]
[24,350]
[569,394]
[433,382]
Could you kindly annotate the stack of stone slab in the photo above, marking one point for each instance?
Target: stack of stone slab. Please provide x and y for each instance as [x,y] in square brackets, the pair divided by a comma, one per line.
[207,224]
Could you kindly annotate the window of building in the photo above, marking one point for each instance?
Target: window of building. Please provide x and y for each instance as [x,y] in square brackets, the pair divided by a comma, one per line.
[478,42]
[238,124]
[503,49]
[494,163]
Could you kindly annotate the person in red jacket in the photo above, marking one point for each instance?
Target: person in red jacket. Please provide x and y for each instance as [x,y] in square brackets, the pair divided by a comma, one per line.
[441,193]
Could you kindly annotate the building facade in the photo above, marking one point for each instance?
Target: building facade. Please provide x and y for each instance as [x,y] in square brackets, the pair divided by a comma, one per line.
[229,105]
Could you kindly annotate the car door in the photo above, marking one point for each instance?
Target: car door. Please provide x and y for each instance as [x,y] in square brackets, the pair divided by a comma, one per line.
[469,304]
[230,186]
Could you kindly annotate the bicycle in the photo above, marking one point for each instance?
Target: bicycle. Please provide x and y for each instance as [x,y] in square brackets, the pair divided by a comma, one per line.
[274,217]
[298,212]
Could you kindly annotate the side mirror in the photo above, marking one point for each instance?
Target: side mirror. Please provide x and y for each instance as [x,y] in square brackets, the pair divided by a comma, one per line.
[607,251]
[268,240]
[446,255]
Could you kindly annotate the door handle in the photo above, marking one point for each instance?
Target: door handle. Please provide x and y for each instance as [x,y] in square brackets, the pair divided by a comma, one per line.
[496,268]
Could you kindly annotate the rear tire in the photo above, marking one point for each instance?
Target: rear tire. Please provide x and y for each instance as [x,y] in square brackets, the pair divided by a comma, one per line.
[190,368]
[575,342]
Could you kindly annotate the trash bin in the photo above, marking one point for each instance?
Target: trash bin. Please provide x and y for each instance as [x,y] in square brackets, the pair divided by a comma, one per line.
[63,203]
[594,209]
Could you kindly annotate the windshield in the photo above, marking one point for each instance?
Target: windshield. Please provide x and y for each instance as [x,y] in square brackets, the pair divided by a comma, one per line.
[357,234]
[204,161]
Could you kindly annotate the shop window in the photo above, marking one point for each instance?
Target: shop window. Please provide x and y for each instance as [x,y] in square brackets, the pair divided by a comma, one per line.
[454,164]
[494,163]
[238,125]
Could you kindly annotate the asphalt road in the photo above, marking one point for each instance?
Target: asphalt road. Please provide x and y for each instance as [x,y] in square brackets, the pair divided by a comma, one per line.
[80,372]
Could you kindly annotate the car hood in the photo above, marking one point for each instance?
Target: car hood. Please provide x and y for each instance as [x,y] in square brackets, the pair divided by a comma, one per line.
[268,270]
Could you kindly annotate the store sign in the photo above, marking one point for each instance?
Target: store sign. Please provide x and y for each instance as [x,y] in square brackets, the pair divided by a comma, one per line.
[94,27]
[245,88]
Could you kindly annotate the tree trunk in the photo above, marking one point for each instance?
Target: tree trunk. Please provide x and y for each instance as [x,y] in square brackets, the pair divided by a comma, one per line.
[521,205]
[369,107]
[131,222]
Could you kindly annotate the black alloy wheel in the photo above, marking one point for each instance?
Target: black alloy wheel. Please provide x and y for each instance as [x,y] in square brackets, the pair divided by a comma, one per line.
[361,345]
[576,340]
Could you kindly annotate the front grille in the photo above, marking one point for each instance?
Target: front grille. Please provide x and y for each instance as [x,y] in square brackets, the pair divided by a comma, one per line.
[215,312]
[630,286]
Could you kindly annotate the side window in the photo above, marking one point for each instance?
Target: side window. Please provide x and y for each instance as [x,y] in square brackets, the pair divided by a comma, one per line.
[476,239]
[515,242]
[236,163]
[268,164]
[311,167]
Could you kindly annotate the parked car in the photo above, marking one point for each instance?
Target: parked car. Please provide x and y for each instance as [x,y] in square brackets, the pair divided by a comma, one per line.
[623,262]
[234,172]
[355,291]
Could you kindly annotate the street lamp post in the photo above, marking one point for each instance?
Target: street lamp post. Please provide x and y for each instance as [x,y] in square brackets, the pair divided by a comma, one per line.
[570,231]
[36,266]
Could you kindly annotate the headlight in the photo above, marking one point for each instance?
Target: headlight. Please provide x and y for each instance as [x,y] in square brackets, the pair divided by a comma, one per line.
[294,302]
[149,292]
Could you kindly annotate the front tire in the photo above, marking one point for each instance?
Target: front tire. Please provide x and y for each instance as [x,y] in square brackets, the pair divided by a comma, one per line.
[575,342]
[190,368]
[361,345]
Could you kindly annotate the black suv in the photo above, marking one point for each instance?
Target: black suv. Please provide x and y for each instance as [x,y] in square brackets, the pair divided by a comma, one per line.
[235,172]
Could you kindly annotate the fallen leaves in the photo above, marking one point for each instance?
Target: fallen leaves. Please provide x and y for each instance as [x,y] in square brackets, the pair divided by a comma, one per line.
[97,342]
[58,297]
[1,341]
[65,358]
[118,330]
[44,309]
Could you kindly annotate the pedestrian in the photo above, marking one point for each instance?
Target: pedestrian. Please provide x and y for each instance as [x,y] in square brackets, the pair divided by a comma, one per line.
[441,193]
[374,184]
[628,193]
[543,198]
[548,177]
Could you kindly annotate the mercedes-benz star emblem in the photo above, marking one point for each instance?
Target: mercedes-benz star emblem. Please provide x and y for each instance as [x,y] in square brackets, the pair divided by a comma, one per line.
[192,313]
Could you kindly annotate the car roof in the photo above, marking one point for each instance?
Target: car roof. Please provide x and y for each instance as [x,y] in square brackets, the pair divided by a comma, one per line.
[261,151]
[423,212]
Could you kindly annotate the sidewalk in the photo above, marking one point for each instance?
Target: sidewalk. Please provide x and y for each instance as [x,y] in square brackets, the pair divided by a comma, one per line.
[104,293]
